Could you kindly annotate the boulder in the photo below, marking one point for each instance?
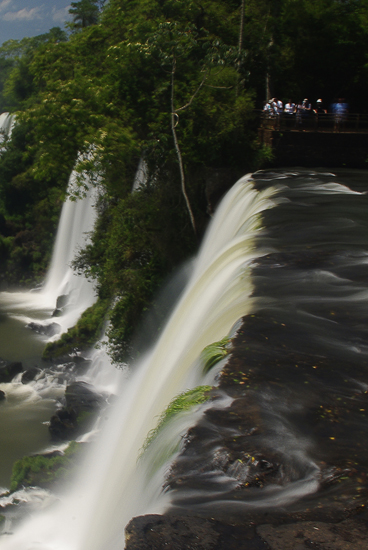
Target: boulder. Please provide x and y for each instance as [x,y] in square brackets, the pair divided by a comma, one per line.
[30,374]
[47,330]
[82,402]
[9,369]
[154,532]
[61,301]
[2,395]
[57,312]
[63,424]
[82,396]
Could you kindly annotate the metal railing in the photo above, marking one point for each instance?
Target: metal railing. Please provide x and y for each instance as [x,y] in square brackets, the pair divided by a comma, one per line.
[347,123]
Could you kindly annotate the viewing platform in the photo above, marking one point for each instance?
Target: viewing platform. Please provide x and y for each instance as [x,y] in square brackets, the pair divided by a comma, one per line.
[316,140]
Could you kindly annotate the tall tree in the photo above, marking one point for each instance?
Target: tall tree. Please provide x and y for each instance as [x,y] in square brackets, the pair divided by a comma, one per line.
[85,13]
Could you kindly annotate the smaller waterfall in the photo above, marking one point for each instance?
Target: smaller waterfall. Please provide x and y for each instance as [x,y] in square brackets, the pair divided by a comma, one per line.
[7,122]
[76,221]
[76,292]
[141,175]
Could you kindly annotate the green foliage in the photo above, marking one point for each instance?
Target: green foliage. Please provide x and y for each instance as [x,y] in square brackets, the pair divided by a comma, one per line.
[213,353]
[307,49]
[43,470]
[85,13]
[84,334]
[29,211]
[184,402]
[16,82]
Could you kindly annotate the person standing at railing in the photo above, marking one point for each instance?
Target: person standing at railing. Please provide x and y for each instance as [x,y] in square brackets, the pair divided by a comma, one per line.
[289,108]
[306,107]
[270,108]
[320,110]
[340,109]
[299,113]
[279,106]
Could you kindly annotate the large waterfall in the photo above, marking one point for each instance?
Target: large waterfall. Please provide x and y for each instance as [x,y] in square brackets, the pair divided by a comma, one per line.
[93,515]
[285,249]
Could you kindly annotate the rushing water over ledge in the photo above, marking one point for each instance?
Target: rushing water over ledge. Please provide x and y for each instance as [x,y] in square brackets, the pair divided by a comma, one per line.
[216,296]
[298,358]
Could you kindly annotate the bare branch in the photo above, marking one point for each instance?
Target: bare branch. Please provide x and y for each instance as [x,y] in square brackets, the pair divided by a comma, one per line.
[193,96]
[174,122]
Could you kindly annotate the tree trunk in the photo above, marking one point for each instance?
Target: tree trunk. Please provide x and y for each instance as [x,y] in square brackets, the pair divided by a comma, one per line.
[178,153]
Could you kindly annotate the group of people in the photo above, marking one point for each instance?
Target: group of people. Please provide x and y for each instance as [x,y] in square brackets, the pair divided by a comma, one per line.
[275,107]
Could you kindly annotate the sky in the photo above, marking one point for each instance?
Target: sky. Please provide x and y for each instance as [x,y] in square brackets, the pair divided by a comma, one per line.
[20,18]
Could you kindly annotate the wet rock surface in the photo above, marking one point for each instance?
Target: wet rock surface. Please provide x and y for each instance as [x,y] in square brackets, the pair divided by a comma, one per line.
[9,369]
[350,534]
[155,532]
[30,374]
[229,458]
[46,330]
[81,404]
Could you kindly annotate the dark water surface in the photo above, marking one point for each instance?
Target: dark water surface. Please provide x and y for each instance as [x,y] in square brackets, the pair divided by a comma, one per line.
[296,435]
[25,412]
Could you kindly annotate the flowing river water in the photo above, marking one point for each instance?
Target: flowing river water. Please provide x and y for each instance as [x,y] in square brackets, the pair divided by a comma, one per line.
[288,252]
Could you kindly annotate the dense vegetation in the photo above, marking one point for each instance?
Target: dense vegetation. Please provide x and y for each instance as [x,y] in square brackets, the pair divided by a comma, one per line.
[174,82]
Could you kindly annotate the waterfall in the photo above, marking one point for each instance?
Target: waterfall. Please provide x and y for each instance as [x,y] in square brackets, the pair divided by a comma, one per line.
[112,490]
[76,221]
[141,176]
[76,292]
[6,125]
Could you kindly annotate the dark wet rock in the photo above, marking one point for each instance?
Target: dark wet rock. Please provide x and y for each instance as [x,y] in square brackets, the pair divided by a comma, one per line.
[159,532]
[226,450]
[63,424]
[350,534]
[2,395]
[81,395]
[71,358]
[30,374]
[81,404]
[57,312]
[154,532]
[252,530]
[232,454]
[61,301]
[47,330]
[9,369]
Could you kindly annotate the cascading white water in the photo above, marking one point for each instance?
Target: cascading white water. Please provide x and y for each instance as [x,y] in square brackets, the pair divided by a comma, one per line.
[93,515]
[141,175]
[76,221]
[6,125]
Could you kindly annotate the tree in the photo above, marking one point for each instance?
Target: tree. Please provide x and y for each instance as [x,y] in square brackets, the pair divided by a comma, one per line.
[199,57]
[85,13]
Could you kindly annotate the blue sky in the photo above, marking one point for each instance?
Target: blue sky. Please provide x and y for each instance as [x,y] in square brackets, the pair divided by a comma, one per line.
[20,18]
